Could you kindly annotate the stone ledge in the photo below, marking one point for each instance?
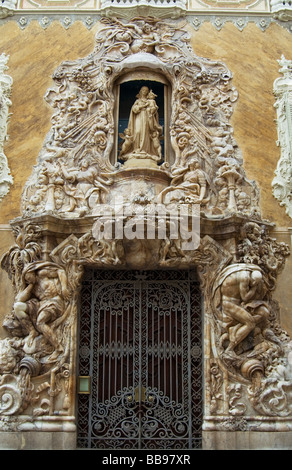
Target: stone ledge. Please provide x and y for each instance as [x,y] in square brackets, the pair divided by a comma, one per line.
[31,440]
[247,440]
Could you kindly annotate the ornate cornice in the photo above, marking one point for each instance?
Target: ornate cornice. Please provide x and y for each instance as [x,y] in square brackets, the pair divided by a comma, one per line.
[239,12]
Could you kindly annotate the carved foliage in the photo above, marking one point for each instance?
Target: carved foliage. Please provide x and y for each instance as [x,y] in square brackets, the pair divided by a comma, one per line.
[248,354]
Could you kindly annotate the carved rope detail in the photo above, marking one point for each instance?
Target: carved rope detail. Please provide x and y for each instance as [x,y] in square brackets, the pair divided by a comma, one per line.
[5,91]
[282,184]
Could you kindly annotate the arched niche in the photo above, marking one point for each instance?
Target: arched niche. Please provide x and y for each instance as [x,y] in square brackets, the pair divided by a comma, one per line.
[125,90]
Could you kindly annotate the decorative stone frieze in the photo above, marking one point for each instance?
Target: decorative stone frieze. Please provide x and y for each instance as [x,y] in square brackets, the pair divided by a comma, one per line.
[85,179]
[5,102]
[282,185]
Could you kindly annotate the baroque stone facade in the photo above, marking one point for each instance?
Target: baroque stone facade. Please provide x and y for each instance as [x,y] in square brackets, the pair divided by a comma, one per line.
[81,173]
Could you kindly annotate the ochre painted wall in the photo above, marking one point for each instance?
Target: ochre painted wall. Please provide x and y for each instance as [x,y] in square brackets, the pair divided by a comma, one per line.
[250,54]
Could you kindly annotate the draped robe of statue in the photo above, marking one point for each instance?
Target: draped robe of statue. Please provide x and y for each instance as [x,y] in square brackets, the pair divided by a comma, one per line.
[143,134]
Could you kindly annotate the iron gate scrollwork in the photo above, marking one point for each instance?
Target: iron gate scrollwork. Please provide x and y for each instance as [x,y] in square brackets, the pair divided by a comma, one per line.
[140,341]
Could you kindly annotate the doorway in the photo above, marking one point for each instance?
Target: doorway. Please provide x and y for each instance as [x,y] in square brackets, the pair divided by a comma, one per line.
[140,345]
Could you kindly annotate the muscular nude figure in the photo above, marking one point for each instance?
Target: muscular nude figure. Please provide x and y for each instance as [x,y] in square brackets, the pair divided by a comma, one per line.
[241,288]
[45,294]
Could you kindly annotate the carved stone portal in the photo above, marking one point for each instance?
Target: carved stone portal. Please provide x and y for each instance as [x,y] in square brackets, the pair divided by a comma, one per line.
[86,183]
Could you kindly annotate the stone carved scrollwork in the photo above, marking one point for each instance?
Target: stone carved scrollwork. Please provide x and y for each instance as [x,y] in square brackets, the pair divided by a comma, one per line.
[281,10]
[5,102]
[74,170]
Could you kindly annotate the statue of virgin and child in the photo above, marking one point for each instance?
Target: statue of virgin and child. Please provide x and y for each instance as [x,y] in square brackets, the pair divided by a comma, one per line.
[142,138]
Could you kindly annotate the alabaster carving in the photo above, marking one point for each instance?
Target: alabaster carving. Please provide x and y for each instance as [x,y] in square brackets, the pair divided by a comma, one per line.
[83,125]
[81,190]
[141,139]
[249,339]
[281,183]
[5,102]
[7,8]
[281,10]
[188,185]
[40,328]
[131,8]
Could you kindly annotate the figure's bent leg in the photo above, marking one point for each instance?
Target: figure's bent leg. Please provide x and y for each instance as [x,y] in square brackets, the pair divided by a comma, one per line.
[246,323]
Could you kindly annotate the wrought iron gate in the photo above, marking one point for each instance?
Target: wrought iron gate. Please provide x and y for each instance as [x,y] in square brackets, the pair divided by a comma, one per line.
[140,342]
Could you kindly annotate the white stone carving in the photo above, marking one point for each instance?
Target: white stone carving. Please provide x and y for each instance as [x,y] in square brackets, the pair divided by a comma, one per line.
[282,183]
[7,8]
[281,10]
[75,184]
[232,5]
[77,156]
[131,8]
[5,91]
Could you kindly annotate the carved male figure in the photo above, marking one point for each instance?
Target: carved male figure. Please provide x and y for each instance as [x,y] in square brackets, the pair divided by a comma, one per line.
[242,289]
[42,301]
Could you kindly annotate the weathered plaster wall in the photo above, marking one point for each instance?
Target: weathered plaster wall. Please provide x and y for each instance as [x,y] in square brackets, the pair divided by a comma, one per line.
[251,55]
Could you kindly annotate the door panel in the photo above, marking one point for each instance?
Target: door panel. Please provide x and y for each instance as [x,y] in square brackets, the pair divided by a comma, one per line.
[140,342]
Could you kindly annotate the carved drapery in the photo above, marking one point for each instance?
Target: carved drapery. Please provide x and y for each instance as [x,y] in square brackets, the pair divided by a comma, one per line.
[38,356]
[74,184]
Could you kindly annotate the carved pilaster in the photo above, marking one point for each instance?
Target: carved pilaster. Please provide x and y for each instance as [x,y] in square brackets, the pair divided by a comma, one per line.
[282,185]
